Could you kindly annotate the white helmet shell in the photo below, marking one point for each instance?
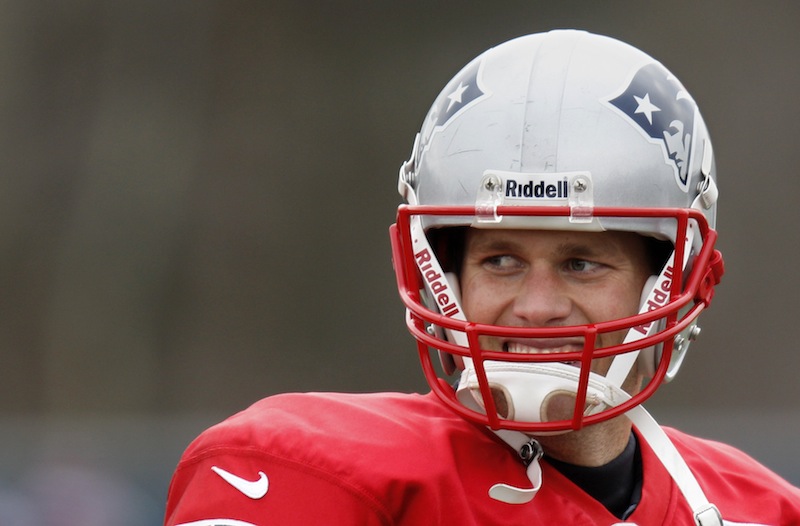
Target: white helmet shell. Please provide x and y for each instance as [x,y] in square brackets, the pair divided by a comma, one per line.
[544,110]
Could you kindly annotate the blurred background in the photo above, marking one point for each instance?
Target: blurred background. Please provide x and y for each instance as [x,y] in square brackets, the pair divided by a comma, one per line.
[194,204]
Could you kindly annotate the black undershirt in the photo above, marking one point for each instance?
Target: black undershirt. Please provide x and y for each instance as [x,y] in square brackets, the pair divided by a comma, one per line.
[616,485]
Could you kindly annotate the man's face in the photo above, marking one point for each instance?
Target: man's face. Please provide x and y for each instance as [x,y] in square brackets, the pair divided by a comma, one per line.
[527,278]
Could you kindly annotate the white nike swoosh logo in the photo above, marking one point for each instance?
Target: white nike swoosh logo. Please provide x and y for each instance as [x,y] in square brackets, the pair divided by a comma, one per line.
[254,489]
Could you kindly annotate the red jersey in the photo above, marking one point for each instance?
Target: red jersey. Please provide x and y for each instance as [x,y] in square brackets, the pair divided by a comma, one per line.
[406,459]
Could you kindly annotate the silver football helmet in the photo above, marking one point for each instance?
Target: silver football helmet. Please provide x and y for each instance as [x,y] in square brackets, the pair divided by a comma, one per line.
[564,130]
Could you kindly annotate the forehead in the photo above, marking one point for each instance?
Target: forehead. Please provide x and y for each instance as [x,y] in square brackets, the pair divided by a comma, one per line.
[559,242]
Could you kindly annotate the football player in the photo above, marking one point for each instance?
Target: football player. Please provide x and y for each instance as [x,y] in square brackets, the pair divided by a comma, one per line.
[554,254]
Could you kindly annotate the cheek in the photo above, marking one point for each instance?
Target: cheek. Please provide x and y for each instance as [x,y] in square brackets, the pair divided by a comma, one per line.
[619,302]
[469,294]
[479,300]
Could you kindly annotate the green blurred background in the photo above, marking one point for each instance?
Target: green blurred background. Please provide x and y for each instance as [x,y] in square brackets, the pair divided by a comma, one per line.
[194,204]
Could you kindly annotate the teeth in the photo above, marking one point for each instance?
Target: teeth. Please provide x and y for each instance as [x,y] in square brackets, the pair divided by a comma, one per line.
[518,348]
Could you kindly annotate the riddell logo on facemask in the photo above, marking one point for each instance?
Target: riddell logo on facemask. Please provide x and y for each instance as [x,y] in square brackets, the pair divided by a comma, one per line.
[657,298]
[436,283]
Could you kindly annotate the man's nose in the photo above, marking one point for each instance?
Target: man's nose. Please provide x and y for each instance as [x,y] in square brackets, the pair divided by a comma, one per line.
[542,299]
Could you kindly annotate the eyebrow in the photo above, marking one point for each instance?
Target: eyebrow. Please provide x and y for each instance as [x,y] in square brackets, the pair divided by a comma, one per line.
[575,249]
[482,244]
[584,249]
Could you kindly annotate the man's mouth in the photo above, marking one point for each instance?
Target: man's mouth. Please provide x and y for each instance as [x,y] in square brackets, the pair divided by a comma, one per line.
[544,347]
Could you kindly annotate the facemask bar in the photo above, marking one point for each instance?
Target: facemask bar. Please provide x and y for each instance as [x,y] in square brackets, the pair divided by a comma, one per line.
[691,297]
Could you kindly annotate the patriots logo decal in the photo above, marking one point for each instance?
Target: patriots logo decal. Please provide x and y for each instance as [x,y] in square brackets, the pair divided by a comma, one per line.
[660,106]
[462,91]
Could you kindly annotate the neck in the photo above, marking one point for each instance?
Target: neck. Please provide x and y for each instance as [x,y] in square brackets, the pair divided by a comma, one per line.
[592,446]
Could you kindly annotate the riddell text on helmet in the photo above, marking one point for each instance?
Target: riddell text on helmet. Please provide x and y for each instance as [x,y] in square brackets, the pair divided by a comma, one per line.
[539,190]
[436,283]
[657,298]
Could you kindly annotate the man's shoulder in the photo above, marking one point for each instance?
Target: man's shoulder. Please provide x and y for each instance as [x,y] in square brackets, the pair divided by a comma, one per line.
[697,450]
[313,453]
[729,472]
[288,424]
[324,413]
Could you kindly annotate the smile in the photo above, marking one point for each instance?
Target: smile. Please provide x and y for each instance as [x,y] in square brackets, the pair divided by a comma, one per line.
[549,346]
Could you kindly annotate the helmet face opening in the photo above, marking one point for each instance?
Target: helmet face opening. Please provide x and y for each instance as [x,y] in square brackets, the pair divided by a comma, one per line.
[559,132]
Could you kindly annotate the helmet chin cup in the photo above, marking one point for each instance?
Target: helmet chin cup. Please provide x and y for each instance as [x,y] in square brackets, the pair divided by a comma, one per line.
[536,392]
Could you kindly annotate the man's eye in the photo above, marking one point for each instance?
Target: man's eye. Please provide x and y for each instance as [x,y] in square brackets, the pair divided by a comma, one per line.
[501,262]
[581,265]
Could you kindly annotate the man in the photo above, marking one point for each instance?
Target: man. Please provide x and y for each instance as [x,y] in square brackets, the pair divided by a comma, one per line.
[554,256]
